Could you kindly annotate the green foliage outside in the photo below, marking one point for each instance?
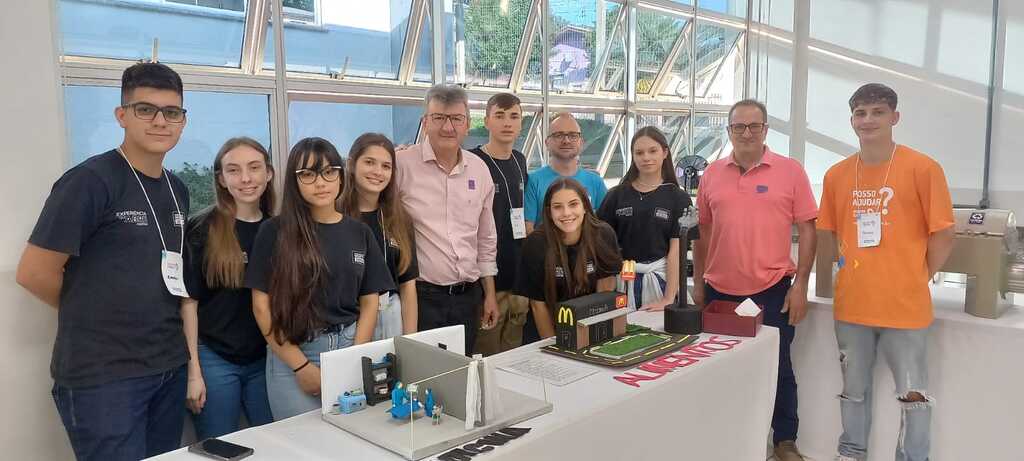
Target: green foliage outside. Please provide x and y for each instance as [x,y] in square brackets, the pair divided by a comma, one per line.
[199,180]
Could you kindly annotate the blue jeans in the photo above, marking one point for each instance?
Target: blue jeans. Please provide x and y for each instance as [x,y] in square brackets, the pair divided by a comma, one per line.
[286,398]
[126,419]
[231,389]
[785,420]
[905,350]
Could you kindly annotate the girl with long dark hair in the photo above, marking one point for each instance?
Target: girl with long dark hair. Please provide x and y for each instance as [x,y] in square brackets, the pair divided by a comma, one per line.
[645,211]
[315,275]
[571,254]
[371,196]
[226,372]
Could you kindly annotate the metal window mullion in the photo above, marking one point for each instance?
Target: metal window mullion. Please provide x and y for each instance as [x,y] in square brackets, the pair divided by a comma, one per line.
[532,135]
[632,68]
[410,49]
[598,70]
[254,37]
[609,147]
[677,143]
[666,68]
[746,51]
[522,61]
[437,48]
[692,49]
[545,80]
[279,136]
[721,63]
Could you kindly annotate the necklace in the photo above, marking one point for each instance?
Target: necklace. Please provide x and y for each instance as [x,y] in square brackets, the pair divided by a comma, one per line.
[653,188]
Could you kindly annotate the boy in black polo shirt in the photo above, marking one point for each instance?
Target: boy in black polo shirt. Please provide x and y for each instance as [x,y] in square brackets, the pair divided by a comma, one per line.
[106,253]
[504,121]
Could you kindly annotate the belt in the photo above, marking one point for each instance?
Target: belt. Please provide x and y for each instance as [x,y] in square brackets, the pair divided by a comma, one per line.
[337,328]
[451,290]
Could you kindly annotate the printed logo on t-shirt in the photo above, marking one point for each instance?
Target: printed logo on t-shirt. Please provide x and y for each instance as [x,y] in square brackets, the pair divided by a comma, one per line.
[559,272]
[761,188]
[138,218]
[359,257]
[179,218]
[497,189]
[472,184]
[590,267]
[627,211]
[872,201]
[661,213]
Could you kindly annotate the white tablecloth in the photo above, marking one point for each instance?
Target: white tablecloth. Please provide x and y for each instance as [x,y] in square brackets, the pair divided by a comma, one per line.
[717,409]
[975,378]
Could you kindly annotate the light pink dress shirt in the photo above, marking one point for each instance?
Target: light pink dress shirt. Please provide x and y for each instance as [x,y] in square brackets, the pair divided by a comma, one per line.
[456,240]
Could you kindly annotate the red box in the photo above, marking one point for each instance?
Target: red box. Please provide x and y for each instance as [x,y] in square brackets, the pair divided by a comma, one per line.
[720,317]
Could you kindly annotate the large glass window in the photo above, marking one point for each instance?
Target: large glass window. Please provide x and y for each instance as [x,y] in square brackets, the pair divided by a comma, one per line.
[487,40]
[710,139]
[212,119]
[720,66]
[579,34]
[656,35]
[728,7]
[354,37]
[206,32]
[479,135]
[675,127]
[341,124]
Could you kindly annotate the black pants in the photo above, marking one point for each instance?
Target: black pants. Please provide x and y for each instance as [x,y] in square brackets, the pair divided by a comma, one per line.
[438,308]
[785,421]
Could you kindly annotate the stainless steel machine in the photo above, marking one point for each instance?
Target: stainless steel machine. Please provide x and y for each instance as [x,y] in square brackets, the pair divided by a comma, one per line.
[986,250]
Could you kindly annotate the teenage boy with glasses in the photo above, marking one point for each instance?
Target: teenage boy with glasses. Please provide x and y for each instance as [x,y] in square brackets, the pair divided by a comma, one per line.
[564,145]
[747,205]
[106,253]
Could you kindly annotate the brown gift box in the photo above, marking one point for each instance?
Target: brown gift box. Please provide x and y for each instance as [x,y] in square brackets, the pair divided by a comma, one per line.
[720,317]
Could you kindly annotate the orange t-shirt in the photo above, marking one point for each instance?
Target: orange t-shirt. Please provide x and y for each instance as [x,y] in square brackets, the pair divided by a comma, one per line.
[886,285]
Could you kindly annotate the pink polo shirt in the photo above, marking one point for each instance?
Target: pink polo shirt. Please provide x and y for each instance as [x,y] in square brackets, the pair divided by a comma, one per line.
[751,216]
[456,240]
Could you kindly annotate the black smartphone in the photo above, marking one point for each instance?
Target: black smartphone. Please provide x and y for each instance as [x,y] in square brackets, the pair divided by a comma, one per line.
[219,449]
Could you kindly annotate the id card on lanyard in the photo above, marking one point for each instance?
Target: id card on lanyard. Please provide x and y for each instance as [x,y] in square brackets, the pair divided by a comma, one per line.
[172,265]
[869,229]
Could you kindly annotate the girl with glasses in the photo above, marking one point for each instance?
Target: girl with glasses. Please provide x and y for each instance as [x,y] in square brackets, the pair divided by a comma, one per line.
[371,196]
[315,276]
[226,373]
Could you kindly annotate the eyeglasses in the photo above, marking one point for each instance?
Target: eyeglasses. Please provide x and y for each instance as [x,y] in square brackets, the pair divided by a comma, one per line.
[740,128]
[308,176]
[566,135]
[458,120]
[147,112]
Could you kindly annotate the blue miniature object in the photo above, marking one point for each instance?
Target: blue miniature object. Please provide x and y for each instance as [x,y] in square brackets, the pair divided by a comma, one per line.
[428,404]
[352,401]
[401,404]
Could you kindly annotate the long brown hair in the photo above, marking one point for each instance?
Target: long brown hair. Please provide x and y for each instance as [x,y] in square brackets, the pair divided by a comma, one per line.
[222,258]
[299,276]
[589,248]
[396,221]
[668,172]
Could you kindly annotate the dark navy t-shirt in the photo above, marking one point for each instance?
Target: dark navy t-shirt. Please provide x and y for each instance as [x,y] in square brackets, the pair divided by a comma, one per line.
[509,177]
[355,266]
[645,223]
[116,318]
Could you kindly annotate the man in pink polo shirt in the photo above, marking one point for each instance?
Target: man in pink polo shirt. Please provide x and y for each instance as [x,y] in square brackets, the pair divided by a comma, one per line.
[748,203]
[448,193]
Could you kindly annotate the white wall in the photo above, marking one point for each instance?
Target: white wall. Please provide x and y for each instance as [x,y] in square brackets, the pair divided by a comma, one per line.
[32,151]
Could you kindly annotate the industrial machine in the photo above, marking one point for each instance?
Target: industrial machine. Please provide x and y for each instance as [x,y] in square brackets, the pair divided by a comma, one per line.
[986,250]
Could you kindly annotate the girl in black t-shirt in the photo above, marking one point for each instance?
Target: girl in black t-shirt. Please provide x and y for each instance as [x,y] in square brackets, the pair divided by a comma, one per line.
[571,254]
[315,276]
[648,210]
[371,195]
[226,372]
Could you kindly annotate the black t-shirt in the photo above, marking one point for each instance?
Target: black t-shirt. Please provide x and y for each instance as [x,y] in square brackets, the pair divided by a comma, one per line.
[645,223]
[509,185]
[355,266]
[392,252]
[226,322]
[530,280]
[116,318]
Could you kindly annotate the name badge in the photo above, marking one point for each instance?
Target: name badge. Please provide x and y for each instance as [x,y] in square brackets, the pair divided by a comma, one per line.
[869,229]
[518,219]
[172,268]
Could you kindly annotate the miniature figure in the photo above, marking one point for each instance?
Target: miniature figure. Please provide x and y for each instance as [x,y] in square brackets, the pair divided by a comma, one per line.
[352,401]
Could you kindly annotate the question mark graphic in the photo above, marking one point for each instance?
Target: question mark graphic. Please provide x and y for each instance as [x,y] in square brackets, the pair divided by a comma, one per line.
[888,193]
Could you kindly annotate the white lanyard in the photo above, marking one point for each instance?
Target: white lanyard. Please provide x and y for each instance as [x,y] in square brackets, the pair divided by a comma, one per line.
[885,181]
[508,191]
[156,218]
[383,233]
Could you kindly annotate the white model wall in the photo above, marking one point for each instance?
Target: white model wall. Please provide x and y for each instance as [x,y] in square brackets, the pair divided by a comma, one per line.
[32,151]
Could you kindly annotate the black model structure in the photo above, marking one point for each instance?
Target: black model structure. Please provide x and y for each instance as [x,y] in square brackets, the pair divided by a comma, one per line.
[379,378]
[681,318]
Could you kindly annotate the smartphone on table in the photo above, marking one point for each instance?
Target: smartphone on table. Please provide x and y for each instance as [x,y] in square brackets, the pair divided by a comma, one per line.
[219,449]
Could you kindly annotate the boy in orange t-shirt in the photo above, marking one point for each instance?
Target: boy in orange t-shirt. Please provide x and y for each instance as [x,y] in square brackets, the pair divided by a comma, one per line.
[889,209]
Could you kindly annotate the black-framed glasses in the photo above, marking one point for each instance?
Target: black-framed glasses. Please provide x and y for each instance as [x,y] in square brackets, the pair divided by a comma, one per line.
[740,128]
[308,175]
[458,120]
[147,111]
[566,135]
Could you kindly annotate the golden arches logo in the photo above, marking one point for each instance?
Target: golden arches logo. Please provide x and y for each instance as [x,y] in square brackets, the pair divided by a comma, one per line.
[565,315]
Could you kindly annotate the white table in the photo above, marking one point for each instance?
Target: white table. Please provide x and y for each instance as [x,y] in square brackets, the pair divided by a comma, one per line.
[717,409]
[975,377]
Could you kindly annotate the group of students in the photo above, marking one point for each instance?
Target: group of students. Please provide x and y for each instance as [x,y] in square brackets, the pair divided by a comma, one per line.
[391,241]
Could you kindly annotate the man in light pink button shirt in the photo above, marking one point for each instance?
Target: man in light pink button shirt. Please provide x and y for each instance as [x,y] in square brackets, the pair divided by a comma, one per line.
[747,205]
[448,192]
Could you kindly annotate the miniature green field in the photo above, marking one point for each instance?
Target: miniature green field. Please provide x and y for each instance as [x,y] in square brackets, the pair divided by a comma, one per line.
[628,344]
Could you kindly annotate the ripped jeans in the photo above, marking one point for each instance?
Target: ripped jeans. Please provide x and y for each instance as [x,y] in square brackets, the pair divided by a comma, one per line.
[905,351]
